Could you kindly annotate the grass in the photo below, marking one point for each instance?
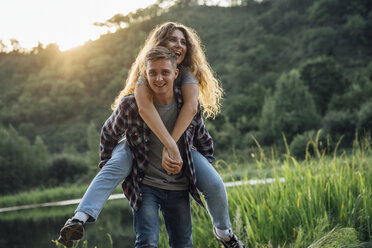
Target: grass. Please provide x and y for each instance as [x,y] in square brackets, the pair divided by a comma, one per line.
[325,201]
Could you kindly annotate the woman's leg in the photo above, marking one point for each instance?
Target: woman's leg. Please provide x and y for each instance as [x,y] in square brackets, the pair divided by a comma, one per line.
[111,174]
[209,182]
[99,190]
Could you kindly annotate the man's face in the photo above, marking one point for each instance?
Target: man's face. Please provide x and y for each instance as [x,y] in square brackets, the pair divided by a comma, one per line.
[160,75]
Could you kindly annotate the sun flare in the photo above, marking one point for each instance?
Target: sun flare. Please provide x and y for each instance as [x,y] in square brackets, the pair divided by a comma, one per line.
[67,23]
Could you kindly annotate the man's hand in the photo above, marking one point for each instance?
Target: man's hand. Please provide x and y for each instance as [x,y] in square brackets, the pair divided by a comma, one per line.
[171,160]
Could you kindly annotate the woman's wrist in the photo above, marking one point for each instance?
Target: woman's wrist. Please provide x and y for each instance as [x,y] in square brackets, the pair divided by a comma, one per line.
[170,144]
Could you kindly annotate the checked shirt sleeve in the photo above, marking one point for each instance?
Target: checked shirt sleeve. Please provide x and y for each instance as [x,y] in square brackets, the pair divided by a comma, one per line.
[112,131]
[203,141]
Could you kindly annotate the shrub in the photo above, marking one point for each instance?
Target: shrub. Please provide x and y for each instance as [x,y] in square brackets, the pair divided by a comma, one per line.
[65,168]
[365,117]
[291,109]
[340,124]
[309,142]
[22,164]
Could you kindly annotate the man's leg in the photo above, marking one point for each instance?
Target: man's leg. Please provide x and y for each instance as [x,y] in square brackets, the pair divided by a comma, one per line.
[177,217]
[209,182]
[101,187]
[146,219]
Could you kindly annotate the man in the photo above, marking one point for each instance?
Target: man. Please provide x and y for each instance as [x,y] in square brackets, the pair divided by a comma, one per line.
[150,185]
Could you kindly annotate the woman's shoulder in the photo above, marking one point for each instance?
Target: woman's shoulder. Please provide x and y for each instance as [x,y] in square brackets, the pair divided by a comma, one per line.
[186,75]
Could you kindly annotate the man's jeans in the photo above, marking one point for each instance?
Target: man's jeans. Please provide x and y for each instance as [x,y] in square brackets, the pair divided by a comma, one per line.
[119,167]
[175,207]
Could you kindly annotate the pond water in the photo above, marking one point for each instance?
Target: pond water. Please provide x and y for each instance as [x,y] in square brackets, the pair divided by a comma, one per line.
[36,228]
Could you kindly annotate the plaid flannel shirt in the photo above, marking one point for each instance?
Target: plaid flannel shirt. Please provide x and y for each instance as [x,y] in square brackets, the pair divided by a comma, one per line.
[125,120]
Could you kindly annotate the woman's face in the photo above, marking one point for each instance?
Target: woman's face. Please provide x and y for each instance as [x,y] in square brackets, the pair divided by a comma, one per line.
[177,43]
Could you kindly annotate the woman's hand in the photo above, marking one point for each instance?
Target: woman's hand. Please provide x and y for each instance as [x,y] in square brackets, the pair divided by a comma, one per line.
[171,160]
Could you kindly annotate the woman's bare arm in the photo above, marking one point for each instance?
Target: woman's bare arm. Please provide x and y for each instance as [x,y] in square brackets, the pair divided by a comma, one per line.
[190,94]
[190,106]
[151,116]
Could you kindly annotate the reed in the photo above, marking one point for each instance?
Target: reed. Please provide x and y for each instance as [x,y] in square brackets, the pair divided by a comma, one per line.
[325,201]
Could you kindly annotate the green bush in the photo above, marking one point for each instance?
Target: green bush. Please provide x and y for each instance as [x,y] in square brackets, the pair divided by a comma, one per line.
[301,144]
[291,109]
[66,168]
[339,125]
[22,164]
[365,117]
[309,143]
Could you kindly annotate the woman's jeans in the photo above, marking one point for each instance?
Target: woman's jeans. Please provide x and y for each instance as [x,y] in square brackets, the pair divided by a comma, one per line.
[175,207]
[120,165]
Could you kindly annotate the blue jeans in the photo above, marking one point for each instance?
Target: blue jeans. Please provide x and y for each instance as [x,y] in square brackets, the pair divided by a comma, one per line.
[175,207]
[119,167]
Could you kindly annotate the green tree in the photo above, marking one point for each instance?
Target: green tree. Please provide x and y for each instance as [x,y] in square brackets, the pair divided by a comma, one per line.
[355,28]
[365,118]
[116,21]
[186,3]
[323,77]
[42,156]
[340,124]
[19,164]
[93,144]
[291,109]
[244,109]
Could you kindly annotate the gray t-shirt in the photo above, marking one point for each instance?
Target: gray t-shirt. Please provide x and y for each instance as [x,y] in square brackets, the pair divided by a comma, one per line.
[185,76]
[155,175]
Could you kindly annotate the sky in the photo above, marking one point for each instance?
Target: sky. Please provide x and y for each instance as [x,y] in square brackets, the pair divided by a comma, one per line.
[68,23]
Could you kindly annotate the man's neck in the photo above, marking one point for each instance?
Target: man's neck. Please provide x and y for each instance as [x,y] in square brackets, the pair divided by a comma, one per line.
[164,99]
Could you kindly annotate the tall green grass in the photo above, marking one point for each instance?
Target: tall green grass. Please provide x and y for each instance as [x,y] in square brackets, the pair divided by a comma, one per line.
[325,201]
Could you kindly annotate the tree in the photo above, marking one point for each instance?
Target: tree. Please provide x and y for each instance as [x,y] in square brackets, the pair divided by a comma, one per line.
[323,77]
[290,111]
[326,11]
[365,118]
[340,124]
[186,3]
[3,47]
[16,46]
[19,165]
[116,21]
[42,156]
[355,28]
[93,144]
[244,109]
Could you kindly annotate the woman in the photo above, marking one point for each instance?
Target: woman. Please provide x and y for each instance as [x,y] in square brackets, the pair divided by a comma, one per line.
[195,75]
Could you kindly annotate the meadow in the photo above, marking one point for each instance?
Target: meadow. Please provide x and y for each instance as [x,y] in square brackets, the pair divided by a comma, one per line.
[324,200]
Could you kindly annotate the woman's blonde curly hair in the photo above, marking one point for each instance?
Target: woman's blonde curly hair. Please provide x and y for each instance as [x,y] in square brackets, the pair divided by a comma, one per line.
[210,90]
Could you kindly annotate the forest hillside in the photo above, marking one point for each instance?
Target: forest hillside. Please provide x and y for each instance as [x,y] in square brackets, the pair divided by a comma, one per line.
[286,66]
